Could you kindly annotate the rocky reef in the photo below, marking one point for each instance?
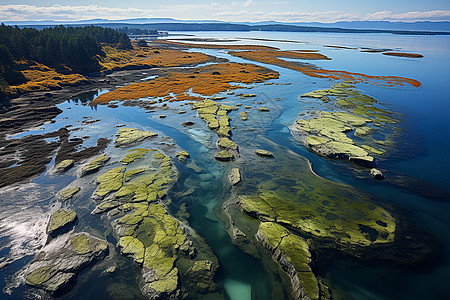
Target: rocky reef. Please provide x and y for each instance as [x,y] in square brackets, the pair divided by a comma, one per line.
[328,133]
[169,252]
[56,266]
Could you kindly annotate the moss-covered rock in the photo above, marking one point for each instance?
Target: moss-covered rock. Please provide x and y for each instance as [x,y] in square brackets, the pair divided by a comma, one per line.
[226,143]
[182,156]
[244,116]
[294,196]
[56,266]
[234,176]
[67,193]
[224,155]
[292,252]
[134,155]
[109,182]
[202,276]
[263,153]
[64,166]
[94,165]
[61,221]
[126,137]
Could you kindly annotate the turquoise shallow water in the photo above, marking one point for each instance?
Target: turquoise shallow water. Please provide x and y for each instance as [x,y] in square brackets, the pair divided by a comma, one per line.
[422,153]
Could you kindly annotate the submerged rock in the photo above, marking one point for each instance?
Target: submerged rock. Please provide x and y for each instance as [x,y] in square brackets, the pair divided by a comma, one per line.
[64,166]
[67,193]
[94,165]
[61,221]
[55,268]
[234,176]
[376,174]
[126,137]
[263,153]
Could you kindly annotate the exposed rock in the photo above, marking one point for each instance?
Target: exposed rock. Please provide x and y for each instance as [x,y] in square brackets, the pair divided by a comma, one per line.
[292,253]
[226,143]
[263,109]
[134,155]
[126,137]
[187,123]
[263,153]
[67,193]
[54,268]
[162,116]
[224,155]
[94,165]
[109,182]
[234,176]
[182,156]
[201,276]
[64,166]
[244,116]
[376,174]
[61,221]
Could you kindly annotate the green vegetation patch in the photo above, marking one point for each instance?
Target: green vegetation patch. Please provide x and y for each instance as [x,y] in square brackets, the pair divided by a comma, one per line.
[283,190]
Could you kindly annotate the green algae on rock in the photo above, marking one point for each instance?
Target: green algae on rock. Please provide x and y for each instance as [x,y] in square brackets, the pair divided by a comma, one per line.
[312,205]
[64,166]
[326,134]
[292,253]
[61,221]
[134,155]
[244,116]
[224,155]
[227,144]
[263,153]
[215,116]
[234,176]
[109,182]
[126,137]
[67,193]
[182,156]
[55,268]
[94,165]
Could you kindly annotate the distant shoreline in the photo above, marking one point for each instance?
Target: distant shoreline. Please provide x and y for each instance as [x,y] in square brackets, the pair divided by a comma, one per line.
[243,28]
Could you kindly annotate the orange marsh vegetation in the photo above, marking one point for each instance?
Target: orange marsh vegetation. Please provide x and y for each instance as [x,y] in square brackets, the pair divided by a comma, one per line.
[148,57]
[206,81]
[42,78]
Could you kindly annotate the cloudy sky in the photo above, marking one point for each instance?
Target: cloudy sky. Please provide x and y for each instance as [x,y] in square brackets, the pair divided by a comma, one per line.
[244,10]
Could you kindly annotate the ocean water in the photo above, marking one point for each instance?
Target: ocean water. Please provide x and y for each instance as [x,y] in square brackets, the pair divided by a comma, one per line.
[421,157]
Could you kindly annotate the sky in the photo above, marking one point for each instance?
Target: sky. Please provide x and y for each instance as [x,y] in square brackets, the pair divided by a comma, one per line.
[327,11]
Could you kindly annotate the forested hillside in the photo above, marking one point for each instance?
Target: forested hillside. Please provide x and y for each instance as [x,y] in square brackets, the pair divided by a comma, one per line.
[63,48]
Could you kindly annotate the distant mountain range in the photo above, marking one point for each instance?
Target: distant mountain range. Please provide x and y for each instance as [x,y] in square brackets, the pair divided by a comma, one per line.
[169,24]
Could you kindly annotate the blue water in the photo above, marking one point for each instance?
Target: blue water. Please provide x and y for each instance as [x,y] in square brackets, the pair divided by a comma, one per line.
[422,154]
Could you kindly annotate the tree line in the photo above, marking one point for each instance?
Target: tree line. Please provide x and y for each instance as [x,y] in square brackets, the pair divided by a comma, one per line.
[58,47]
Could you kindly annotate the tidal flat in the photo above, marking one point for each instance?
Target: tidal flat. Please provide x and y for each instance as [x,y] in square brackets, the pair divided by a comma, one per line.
[233,170]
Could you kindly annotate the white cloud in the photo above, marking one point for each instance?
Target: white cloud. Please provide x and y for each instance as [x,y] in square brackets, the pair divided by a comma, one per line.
[434,15]
[62,13]
[331,16]
[248,3]
[212,10]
